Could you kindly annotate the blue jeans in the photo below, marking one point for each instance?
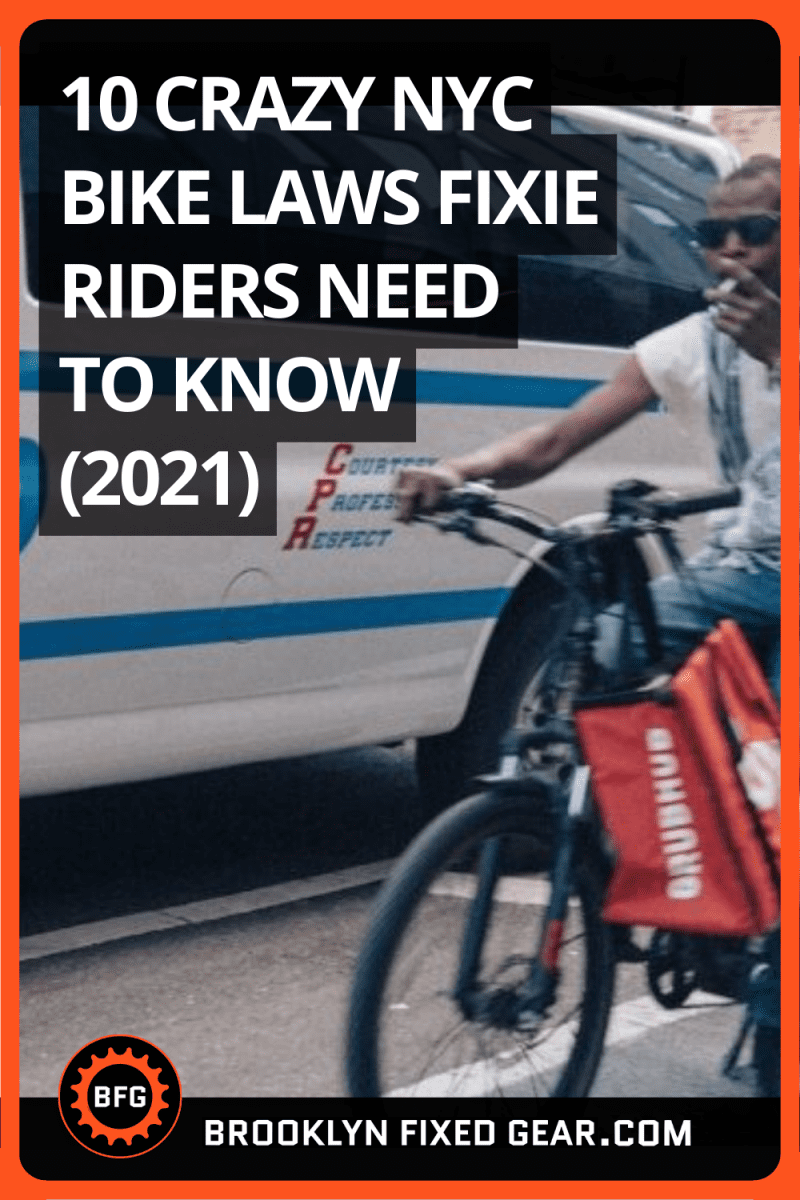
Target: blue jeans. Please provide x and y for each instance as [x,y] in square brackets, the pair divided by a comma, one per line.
[688,606]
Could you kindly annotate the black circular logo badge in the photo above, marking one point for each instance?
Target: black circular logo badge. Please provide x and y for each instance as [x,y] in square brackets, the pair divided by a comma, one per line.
[119,1097]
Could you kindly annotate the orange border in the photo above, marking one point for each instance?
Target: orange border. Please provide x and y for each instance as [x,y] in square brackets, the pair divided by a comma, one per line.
[784,16]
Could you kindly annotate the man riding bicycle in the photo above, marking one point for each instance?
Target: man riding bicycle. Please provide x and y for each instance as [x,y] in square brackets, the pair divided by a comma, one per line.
[725,360]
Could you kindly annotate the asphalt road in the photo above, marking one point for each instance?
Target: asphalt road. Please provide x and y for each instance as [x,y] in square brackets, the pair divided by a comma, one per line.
[220,915]
[104,852]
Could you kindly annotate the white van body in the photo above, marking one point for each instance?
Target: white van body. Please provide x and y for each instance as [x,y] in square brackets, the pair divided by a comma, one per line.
[145,656]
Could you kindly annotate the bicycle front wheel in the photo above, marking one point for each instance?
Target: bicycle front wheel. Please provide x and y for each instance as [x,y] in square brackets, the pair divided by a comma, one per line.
[482,864]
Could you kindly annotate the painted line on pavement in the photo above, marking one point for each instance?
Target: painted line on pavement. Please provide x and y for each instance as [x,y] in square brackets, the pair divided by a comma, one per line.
[630,1020]
[199,912]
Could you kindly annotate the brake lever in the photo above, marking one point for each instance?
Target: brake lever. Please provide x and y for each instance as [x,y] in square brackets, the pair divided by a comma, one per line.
[459,523]
[465,525]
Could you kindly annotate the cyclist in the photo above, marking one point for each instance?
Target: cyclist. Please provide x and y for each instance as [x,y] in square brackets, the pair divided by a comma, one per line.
[725,360]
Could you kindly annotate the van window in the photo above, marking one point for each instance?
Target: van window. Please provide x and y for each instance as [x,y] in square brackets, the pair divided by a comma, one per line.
[657,275]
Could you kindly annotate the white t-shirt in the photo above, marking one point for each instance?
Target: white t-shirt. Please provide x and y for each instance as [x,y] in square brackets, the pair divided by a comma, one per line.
[676,363]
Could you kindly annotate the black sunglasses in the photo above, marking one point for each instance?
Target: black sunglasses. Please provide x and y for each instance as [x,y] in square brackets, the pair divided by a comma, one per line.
[755,230]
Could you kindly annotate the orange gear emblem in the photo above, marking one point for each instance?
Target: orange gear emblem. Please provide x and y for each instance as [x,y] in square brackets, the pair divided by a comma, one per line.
[151,1117]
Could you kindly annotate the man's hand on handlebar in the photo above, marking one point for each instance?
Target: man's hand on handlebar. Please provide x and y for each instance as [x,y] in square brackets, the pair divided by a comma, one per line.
[421,488]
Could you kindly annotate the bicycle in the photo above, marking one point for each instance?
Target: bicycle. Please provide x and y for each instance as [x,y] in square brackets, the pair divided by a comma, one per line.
[487,968]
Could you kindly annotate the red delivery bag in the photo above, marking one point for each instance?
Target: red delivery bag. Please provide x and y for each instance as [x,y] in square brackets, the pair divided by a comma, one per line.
[755,720]
[687,784]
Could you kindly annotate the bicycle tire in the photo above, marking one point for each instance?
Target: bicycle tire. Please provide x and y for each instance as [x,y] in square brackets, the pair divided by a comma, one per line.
[419,913]
[670,973]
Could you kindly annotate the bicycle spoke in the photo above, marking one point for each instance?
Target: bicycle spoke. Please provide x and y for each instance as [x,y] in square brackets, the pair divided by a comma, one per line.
[487,1055]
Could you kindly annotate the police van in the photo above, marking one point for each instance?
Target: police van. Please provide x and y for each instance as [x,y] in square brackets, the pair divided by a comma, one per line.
[148,656]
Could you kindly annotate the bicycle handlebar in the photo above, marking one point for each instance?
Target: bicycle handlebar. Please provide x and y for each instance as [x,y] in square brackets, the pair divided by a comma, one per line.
[685,506]
[629,501]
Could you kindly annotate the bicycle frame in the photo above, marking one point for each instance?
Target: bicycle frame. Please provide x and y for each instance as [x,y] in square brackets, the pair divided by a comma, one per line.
[614,551]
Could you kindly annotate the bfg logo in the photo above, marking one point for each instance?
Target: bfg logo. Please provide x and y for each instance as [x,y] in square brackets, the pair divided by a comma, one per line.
[119,1097]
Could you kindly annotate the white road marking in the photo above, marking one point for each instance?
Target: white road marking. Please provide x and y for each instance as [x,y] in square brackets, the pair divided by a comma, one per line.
[198,912]
[630,1020]
[512,889]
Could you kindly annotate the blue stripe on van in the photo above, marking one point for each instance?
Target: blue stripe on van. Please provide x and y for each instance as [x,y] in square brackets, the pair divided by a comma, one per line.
[433,387]
[28,370]
[116,634]
[511,391]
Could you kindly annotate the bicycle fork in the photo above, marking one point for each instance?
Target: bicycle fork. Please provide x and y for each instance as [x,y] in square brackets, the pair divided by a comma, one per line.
[525,1006]
[539,990]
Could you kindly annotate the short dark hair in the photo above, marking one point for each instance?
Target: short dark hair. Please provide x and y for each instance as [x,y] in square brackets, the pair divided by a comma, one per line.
[757,167]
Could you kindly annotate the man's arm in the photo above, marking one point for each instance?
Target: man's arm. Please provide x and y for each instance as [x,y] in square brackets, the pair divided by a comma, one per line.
[532,453]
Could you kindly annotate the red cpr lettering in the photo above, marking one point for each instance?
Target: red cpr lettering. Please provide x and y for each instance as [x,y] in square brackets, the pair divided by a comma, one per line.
[322,489]
[301,532]
[331,466]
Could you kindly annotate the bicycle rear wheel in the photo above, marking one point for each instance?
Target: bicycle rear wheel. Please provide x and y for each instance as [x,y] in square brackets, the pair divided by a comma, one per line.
[408,1033]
